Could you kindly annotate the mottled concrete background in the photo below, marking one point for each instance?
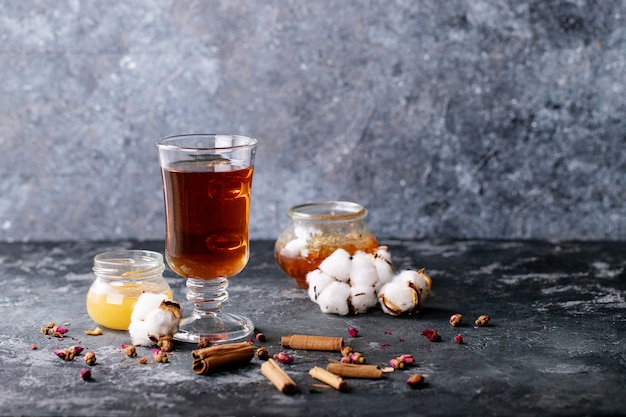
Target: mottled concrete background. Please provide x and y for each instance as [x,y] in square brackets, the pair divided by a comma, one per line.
[464,119]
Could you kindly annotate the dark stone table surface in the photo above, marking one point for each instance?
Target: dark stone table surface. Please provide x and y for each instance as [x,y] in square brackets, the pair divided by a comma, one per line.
[555,344]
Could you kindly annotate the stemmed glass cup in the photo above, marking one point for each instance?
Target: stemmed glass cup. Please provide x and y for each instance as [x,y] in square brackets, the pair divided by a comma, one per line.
[207,181]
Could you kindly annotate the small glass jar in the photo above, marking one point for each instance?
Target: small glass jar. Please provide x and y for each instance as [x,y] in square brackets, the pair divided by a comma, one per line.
[315,231]
[121,277]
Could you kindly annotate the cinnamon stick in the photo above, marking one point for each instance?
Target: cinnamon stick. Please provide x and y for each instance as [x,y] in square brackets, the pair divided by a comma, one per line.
[221,357]
[306,342]
[329,378]
[272,371]
[350,370]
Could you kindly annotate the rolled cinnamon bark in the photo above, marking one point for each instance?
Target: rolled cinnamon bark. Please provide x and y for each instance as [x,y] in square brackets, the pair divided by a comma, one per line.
[350,370]
[306,342]
[329,378]
[272,371]
[221,357]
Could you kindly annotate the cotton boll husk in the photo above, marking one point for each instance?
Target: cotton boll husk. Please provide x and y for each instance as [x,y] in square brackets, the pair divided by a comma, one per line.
[334,298]
[337,265]
[418,278]
[384,267]
[317,281]
[362,271]
[400,294]
[362,299]
[139,333]
[145,304]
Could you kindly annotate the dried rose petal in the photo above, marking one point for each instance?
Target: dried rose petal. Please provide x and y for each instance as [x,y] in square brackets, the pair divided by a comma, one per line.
[431,335]
[458,339]
[353,331]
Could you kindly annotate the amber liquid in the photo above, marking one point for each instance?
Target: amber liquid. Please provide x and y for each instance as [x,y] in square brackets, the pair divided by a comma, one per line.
[207,207]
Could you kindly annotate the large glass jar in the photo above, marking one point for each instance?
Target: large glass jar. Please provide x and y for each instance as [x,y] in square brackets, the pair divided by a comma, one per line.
[315,231]
[121,277]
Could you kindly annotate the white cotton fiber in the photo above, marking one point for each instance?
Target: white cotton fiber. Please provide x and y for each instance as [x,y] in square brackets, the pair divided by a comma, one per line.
[362,271]
[337,265]
[317,282]
[398,294]
[334,299]
[292,248]
[384,267]
[145,304]
[362,299]
[139,333]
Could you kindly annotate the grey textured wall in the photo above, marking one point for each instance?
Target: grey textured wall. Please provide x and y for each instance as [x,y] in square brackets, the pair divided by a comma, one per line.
[468,119]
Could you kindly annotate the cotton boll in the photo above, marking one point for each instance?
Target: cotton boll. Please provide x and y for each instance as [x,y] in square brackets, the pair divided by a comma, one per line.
[139,333]
[384,267]
[159,323]
[362,271]
[317,282]
[145,304]
[419,278]
[399,297]
[292,248]
[337,265]
[335,298]
[362,299]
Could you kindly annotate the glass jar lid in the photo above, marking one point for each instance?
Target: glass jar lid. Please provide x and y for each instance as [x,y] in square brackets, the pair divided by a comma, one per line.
[128,264]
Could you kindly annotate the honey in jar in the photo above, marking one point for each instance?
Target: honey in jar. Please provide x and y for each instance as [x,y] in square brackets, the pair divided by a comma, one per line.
[121,277]
[315,231]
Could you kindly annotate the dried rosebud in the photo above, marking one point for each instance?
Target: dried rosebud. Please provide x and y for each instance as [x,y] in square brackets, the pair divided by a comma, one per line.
[482,321]
[458,339]
[406,359]
[143,361]
[456,319]
[431,335]
[129,350]
[90,358]
[166,344]
[262,353]
[345,359]
[346,351]
[283,357]
[357,357]
[66,355]
[353,331]
[85,374]
[58,331]
[159,356]
[260,337]
[202,343]
[415,381]
[33,346]
[76,350]
[396,363]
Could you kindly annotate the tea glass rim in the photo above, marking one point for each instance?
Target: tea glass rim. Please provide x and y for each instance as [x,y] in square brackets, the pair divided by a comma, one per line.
[168,142]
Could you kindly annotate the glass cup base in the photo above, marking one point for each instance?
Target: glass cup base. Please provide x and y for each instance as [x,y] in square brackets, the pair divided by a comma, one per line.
[214,328]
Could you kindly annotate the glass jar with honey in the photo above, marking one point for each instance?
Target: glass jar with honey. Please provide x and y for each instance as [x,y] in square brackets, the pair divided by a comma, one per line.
[315,231]
[121,277]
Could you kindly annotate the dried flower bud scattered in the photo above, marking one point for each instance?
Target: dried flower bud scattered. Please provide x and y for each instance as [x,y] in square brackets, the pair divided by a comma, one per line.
[396,363]
[346,351]
[406,359]
[458,339]
[260,337]
[85,374]
[33,346]
[129,350]
[65,354]
[159,356]
[95,332]
[415,381]
[482,321]
[431,335]
[76,350]
[53,329]
[262,353]
[357,358]
[456,319]
[202,343]
[166,343]
[90,358]
[283,357]
[353,331]
[143,361]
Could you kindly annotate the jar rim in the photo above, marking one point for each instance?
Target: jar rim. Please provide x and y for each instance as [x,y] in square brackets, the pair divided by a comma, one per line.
[128,264]
[328,211]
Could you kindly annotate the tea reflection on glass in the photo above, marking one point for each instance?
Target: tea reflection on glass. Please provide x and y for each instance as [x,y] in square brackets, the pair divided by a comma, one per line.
[207,181]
